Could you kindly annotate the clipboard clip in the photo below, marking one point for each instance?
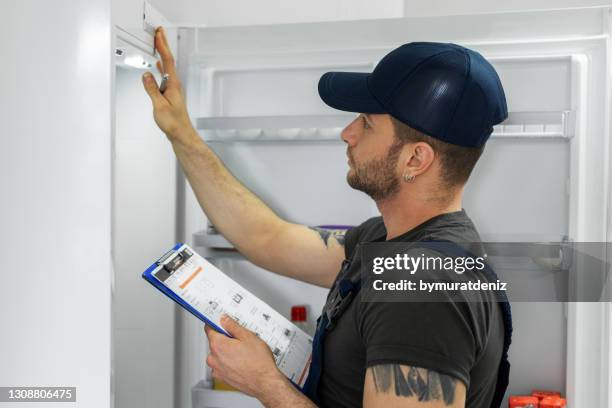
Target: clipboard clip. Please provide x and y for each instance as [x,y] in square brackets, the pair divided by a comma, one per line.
[173,259]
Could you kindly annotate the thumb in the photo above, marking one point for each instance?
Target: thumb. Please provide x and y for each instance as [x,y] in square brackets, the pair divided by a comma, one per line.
[233,328]
[150,86]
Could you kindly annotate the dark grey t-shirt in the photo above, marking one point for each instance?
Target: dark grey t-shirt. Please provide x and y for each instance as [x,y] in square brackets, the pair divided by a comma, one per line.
[460,339]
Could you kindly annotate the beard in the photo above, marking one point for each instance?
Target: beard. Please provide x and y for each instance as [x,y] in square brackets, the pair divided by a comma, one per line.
[377,177]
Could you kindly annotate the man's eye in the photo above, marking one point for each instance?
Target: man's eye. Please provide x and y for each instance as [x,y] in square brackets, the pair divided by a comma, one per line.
[365,123]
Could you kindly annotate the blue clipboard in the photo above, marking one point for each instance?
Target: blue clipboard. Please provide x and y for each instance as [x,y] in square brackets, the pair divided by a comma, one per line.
[148,276]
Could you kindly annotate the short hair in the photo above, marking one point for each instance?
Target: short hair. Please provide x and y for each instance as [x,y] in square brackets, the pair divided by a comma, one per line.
[456,162]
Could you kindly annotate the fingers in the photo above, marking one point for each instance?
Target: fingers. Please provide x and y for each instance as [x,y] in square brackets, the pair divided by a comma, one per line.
[210,332]
[215,337]
[152,89]
[233,328]
[162,46]
[160,67]
[218,345]
[211,361]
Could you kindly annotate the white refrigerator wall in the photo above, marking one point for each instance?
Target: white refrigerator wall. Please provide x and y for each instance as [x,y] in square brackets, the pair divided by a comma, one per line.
[144,214]
[244,12]
[55,177]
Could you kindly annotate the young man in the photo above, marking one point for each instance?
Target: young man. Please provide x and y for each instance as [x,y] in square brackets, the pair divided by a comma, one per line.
[426,112]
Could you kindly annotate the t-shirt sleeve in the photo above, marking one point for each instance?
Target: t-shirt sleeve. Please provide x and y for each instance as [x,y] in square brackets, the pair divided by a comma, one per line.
[436,336]
[351,238]
[354,235]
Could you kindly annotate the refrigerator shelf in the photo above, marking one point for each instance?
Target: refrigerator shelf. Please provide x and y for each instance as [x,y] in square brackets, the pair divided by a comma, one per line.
[552,124]
[205,397]
[324,128]
[555,250]
[211,240]
[327,128]
[213,245]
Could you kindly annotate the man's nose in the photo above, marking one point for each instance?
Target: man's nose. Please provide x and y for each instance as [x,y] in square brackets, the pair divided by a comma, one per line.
[350,134]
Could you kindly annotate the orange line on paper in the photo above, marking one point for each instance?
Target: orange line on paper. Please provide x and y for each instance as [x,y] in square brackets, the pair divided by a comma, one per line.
[306,369]
[190,278]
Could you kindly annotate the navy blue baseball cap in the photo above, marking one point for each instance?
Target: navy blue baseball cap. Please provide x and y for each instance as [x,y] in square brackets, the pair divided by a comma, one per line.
[441,89]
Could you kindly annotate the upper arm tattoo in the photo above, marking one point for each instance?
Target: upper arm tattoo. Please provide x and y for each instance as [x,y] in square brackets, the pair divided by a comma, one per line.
[405,381]
[326,234]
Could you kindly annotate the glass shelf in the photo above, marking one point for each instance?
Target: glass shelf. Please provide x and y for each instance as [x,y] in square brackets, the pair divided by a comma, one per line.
[327,128]
[205,397]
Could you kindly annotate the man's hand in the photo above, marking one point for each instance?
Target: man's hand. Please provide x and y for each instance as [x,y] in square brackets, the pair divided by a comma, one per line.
[244,361]
[169,109]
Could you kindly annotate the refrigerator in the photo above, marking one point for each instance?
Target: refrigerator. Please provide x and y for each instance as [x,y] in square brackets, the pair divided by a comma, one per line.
[252,94]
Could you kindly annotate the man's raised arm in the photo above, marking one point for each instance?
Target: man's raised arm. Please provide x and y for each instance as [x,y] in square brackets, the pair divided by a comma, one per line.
[253,228]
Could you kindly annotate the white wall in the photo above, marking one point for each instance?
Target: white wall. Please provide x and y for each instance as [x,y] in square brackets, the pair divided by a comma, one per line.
[247,12]
[415,8]
[55,183]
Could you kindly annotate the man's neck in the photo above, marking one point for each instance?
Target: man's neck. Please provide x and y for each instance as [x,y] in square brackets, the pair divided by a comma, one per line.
[401,214]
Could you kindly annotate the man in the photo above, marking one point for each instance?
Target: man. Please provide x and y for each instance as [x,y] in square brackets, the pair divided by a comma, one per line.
[425,114]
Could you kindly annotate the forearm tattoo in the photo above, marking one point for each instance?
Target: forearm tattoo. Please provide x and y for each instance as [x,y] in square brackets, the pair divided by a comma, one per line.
[326,234]
[426,385]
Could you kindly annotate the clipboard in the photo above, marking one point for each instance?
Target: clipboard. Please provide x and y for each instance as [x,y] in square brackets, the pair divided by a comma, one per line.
[206,292]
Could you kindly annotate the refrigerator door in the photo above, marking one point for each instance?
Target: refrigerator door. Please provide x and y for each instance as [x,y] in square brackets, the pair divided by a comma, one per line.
[144,172]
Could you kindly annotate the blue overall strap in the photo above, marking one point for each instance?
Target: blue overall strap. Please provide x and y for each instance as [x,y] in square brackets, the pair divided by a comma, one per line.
[503,372]
[311,385]
[343,292]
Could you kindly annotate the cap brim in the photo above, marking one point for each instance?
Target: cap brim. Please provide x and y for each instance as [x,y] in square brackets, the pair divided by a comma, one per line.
[348,91]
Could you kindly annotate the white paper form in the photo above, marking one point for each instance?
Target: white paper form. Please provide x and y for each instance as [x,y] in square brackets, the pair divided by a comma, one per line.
[212,293]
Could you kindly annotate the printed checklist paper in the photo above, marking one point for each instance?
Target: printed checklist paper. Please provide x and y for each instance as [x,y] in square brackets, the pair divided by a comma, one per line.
[208,293]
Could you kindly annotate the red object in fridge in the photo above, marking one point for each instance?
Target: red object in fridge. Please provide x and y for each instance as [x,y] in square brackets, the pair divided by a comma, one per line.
[545,393]
[552,402]
[298,313]
[523,401]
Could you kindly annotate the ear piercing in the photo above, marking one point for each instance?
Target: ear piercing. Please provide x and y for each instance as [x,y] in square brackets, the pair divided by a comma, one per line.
[408,178]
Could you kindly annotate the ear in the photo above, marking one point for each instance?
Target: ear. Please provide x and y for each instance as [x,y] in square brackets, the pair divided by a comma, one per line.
[419,159]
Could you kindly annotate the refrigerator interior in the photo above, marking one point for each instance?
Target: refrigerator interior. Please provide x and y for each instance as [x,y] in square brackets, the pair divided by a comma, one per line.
[253,95]
[252,92]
